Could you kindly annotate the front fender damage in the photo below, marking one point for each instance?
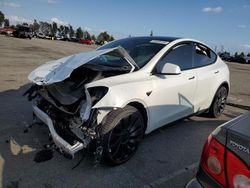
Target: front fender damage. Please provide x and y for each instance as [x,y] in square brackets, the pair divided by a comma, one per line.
[72,127]
[71,132]
[63,98]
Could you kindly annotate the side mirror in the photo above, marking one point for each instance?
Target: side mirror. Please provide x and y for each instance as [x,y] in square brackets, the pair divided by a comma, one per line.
[170,69]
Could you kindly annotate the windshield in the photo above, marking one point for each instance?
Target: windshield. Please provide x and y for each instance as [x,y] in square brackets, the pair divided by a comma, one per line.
[110,60]
[141,49]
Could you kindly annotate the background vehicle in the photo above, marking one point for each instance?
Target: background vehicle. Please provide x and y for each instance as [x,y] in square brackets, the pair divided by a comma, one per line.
[84,41]
[225,159]
[239,60]
[6,31]
[22,31]
[247,60]
[225,56]
[125,89]
[40,36]
[74,39]
[48,37]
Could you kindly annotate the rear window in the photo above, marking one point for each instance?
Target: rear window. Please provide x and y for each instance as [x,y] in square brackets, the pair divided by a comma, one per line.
[203,56]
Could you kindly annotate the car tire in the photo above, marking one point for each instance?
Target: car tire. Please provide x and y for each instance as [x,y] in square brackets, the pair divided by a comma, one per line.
[122,132]
[219,102]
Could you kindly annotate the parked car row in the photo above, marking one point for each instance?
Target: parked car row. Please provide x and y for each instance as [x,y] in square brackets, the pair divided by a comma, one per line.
[238,59]
[73,39]
[22,31]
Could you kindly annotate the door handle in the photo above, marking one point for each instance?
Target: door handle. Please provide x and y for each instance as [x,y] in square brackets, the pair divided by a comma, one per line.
[216,72]
[191,78]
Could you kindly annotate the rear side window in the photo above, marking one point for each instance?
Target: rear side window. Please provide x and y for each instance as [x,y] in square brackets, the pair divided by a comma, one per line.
[203,56]
[180,55]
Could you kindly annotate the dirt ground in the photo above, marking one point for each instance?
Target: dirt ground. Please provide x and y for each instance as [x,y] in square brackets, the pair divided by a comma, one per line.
[19,57]
[167,158]
[240,83]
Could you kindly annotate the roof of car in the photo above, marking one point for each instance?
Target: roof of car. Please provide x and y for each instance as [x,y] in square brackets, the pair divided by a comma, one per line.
[160,38]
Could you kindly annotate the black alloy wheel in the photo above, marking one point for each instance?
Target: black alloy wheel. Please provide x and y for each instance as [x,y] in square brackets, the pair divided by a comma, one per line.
[219,102]
[122,141]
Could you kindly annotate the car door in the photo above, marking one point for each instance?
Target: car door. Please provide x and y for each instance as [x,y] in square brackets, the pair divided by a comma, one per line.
[207,73]
[173,96]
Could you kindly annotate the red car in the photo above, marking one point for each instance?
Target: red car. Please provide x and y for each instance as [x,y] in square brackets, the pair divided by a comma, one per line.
[6,30]
[88,42]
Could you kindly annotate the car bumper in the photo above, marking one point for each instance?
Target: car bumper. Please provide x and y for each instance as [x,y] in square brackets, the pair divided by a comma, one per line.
[203,180]
[63,145]
[194,183]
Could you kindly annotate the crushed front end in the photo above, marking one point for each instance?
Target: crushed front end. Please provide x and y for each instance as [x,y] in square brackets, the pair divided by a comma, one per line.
[61,99]
[72,127]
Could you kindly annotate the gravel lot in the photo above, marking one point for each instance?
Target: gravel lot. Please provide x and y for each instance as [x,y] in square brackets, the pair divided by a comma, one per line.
[168,157]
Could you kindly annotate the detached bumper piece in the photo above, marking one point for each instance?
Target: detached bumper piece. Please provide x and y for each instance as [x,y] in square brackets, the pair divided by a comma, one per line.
[63,145]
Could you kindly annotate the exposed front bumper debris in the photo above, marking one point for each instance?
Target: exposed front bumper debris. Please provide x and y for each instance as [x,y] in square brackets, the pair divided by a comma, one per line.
[63,145]
[72,127]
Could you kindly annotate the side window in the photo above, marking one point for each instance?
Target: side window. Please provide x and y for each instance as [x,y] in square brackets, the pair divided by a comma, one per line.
[203,56]
[180,55]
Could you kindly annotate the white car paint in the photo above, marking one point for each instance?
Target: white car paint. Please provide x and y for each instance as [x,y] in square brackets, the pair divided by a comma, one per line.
[171,96]
[209,78]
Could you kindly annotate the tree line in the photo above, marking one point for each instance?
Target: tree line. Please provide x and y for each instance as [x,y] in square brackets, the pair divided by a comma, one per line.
[236,54]
[62,31]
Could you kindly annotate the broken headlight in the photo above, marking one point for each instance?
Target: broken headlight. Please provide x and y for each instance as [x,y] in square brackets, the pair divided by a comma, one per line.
[97,93]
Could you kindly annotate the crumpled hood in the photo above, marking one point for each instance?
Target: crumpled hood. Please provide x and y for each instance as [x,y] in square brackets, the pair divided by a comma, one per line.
[59,70]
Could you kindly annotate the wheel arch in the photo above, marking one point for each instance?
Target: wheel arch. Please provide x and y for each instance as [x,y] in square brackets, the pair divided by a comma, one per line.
[226,85]
[223,84]
[141,108]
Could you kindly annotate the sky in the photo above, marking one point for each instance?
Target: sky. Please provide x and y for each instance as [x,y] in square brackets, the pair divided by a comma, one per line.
[224,24]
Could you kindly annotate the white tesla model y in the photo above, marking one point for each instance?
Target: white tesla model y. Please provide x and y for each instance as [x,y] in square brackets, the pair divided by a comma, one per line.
[114,95]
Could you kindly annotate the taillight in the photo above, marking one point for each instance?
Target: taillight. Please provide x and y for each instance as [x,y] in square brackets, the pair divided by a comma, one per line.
[212,160]
[238,172]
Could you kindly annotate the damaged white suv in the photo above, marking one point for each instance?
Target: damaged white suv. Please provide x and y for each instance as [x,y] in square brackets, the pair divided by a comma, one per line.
[127,88]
